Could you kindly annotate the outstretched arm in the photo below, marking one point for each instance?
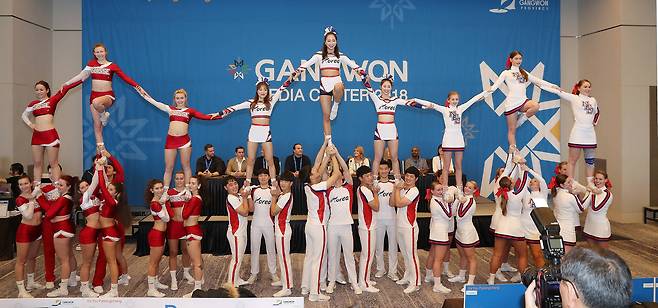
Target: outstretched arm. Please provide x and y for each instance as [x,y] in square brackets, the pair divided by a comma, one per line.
[155,103]
[542,183]
[277,94]
[430,105]
[81,77]
[346,171]
[319,157]
[234,108]
[317,57]
[345,59]
[202,116]
[471,101]
[541,83]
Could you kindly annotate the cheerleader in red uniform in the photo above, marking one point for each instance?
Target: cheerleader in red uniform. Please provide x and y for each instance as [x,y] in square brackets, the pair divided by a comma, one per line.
[88,237]
[102,97]
[44,134]
[191,213]
[178,138]
[161,212]
[110,234]
[28,238]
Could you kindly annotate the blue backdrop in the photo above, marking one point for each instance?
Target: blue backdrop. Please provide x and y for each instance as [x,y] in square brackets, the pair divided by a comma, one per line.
[431,47]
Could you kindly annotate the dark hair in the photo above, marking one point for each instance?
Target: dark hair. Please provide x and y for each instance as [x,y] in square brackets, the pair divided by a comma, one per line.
[305,173]
[238,147]
[123,209]
[230,178]
[99,45]
[324,46]
[600,276]
[559,180]
[434,183]
[363,170]
[207,146]
[386,162]
[60,167]
[148,195]
[25,176]
[514,54]
[413,170]
[381,83]
[262,171]
[296,144]
[72,181]
[439,148]
[507,183]
[17,168]
[266,100]
[287,176]
[45,84]
[576,87]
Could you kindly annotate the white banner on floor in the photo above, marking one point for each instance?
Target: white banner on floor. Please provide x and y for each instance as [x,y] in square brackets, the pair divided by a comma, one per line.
[142,302]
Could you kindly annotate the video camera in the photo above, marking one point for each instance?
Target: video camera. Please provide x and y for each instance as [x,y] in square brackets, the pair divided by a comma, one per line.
[547,279]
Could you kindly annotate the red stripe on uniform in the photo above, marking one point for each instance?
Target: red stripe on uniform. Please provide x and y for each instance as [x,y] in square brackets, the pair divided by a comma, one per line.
[235,264]
[365,277]
[321,256]
[602,204]
[285,262]
[413,253]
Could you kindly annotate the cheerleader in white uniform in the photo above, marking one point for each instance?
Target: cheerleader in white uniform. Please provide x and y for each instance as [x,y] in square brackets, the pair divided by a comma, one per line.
[466,234]
[260,107]
[597,226]
[517,80]
[405,198]
[386,133]
[281,210]
[509,230]
[386,226]
[331,85]
[440,237]
[583,136]
[538,190]
[498,212]
[567,208]
[453,139]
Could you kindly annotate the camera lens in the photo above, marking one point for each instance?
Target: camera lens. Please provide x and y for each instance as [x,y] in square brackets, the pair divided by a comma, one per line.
[529,275]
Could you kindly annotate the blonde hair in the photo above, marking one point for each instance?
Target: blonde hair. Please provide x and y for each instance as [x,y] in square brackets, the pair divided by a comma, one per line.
[475,184]
[451,93]
[359,149]
[181,91]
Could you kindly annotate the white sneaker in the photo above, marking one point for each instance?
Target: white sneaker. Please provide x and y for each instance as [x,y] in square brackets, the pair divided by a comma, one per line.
[369,289]
[457,278]
[59,292]
[87,292]
[516,278]
[22,294]
[411,289]
[501,277]
[240,282]
[99,289]
[318,298]
[104,117]
[110,294]
[188,277]
[441,289]
[124,279]
[276,281]
[174,285]
[357,289]
[372,282]
[341,280]
[160,285]
[252,279]
[380,273]
[323,286]
[491,280]
[34,286]
[449,274]
[283,293]
[505,267]
[331,287]
[50,285]
[393,276]
[304,291]
[402,281]
[334,111]
[428,278]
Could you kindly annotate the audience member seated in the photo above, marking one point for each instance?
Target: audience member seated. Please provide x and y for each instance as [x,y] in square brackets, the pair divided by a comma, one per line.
[208,164]
[237,166]
[296,161]
[416,161]
[356,161]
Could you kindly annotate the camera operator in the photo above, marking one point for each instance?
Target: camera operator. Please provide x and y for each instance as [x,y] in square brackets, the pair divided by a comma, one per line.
[590,278]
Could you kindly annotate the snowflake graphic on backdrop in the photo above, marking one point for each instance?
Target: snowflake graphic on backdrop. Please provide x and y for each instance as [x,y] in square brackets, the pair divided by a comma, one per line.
[392,12]
[123,134]
[469,130]
[238,68]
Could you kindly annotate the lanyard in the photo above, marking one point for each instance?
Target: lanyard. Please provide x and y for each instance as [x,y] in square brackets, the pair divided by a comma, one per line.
[208,164]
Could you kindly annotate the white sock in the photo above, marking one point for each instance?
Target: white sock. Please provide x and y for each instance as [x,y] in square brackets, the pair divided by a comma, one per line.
[151,282]
[64,284]
[84,284]
[72,276]
[173,275]
[186,271]
[471,279]
[30,278]
[492,278]
[21,286]
[114,288]
[197,284]
[446,266]
[428,272]
[462,273]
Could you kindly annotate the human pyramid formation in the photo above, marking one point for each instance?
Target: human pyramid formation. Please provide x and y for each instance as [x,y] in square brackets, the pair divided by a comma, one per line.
[385,205]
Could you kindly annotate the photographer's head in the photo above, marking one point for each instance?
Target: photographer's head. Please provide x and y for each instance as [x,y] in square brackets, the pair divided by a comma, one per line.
[590,278]
[595,278]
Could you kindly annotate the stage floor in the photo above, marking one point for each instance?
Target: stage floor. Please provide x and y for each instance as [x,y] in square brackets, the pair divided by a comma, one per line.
[640,250]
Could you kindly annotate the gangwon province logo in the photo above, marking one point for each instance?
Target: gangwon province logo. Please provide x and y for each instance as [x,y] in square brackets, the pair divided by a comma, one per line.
[238,69]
